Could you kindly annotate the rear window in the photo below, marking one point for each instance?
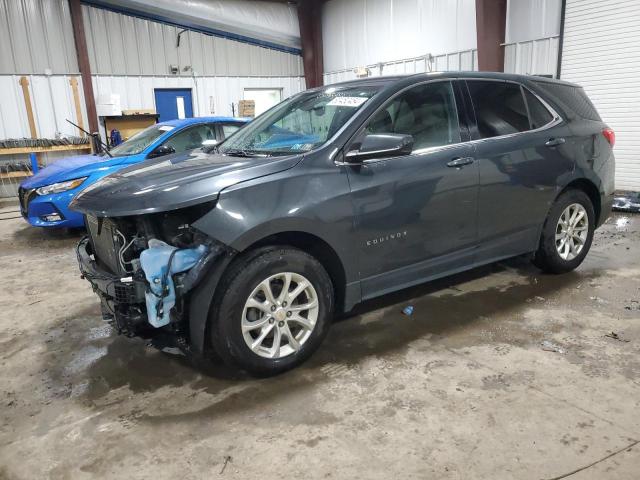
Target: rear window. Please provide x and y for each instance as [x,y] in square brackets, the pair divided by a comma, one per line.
[571,99]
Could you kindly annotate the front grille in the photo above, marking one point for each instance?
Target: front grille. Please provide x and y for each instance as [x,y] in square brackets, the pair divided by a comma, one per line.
[104,243]
[25,196]
[126,293]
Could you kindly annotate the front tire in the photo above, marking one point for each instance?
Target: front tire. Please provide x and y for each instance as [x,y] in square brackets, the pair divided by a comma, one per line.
[273,310]
[567,233]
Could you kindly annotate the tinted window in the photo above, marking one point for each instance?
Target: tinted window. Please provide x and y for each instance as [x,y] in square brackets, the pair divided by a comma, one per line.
[571,98]
[539,115]
[191,138]
[499,107]
[427,112]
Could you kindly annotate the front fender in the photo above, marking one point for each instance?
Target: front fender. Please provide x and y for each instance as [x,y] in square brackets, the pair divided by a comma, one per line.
[314,202]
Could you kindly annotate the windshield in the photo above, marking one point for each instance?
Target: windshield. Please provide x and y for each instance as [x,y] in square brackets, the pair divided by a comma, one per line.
[299,124]
[140,140]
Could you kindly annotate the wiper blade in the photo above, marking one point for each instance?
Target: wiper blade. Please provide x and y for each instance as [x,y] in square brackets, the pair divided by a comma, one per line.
[245,153]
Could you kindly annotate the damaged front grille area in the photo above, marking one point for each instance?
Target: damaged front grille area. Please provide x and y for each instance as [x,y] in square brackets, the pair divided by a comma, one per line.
[143,269]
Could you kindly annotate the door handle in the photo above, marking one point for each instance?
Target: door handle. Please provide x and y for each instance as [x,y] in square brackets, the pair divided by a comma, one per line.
[554,142]
[460,162]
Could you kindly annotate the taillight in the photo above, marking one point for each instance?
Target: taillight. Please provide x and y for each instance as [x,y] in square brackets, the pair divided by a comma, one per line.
[610,135]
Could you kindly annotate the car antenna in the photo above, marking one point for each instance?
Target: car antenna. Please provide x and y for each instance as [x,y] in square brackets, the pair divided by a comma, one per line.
[95,136]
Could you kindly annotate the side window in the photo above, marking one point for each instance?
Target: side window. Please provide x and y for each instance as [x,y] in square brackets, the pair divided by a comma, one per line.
[229,129]
[499,107]
[538,113]
[191,138]
[427,112]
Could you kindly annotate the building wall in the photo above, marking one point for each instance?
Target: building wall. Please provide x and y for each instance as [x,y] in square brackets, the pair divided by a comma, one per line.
[360,33]
[125,45]
[211,95]
[130,57]
[36,36]
[455,61]
[532,36]
[601,49]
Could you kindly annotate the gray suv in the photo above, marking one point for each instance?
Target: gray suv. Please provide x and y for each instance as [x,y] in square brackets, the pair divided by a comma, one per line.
[340,194]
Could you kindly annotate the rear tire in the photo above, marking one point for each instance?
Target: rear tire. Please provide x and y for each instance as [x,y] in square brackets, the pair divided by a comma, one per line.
[567,233]
[260,327]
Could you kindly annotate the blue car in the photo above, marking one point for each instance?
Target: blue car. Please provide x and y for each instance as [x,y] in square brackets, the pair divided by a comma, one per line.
[44,197]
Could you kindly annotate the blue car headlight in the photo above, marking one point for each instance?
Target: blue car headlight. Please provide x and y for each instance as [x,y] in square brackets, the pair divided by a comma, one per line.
[60,186]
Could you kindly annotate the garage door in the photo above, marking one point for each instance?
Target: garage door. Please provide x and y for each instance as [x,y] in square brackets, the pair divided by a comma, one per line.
[600,52]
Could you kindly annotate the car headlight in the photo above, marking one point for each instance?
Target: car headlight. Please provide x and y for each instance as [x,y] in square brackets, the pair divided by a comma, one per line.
[60,186]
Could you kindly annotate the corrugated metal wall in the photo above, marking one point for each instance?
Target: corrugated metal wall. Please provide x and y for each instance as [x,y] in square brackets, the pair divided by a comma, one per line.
[124,45]
[531,37]
[51,101]
[130,57]
[36,35]
[466,60]
[532,57]
[600,52]
[366,32]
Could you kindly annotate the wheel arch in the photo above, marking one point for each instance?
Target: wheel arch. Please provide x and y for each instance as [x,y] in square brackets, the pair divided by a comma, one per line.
[590,189]
[202,298]
[319,249]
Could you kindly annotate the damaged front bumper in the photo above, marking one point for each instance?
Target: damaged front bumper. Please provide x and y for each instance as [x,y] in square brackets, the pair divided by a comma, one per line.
[122,298]
[152,301]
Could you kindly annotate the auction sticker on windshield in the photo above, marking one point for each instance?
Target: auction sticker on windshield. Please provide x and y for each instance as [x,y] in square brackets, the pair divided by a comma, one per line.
[347,101]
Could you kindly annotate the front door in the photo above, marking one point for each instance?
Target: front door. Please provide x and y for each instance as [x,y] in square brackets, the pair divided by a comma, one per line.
[173,103]
[416,214]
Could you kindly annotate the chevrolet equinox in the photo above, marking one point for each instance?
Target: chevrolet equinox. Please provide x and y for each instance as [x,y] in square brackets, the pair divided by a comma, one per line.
[340,194]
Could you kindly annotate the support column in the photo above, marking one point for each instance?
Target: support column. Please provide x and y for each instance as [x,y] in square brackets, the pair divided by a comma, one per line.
[310,21]
[491,20]
[83,63]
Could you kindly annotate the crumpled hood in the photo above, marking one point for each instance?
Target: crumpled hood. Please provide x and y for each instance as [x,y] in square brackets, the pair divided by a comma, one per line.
[68,169]
[172,182]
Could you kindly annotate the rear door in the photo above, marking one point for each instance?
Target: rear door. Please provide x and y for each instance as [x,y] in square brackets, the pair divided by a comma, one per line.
[416,214]
[522,154]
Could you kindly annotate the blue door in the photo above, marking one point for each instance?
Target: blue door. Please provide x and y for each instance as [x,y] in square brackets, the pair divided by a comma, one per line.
[173,103]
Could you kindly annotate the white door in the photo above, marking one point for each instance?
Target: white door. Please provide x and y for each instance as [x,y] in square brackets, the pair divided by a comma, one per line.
[265,98]
[600,52]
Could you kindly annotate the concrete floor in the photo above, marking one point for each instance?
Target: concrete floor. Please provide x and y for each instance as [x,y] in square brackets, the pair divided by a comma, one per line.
[462,389]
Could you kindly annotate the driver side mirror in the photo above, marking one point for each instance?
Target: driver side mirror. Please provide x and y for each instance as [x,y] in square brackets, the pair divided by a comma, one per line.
[161,151]
[381,145]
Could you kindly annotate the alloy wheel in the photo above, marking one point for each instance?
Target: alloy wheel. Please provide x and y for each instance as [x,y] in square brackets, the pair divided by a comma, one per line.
[280,314]
[572,231]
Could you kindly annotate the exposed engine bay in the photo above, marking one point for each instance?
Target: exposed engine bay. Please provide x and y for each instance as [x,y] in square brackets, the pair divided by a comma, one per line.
[143,268]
